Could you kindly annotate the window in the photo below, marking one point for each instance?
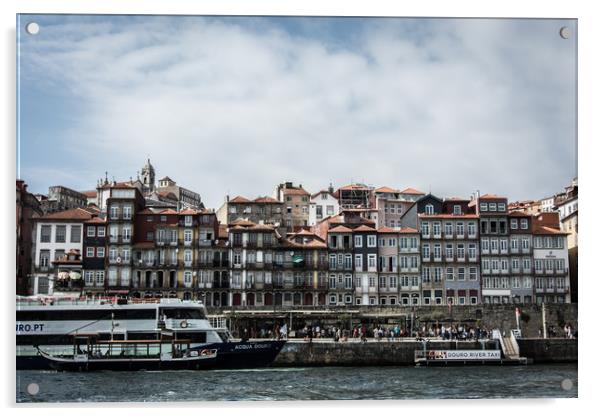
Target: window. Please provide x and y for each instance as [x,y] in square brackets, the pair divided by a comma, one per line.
[358,261]
[187,237]
[472,251]
[100,252]
[429,209]
[559,242]
[437,229]
[457,210]
[329,209]
[90,252]
[460,251]
[484,245]
[101,231]
[76,233]
[126,255]
[45,233]
[448,228]
[371,260]
[89,277]
[449,273]
[527,264]
[114,213]
[524,224]
[538,265]
[527,282]
[437,251]
[91,231]
[472,273]
[112,277]
[426,251]
[503,244]
[188,220]
[492,206]
[348,261]
[188,278]
[127,212]
[358,241]
[426,274]
[371,241]
[437,274]
[425,229]
[100,277]
[449,251]
[460,228]
[501,207]
[61,231]
[525,244]
[127,234]
[188,257]
[514,224]
[472,229]
[483,206]
[461,273]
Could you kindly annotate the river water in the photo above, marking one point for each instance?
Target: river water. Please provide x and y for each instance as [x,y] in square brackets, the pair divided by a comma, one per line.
[318,383]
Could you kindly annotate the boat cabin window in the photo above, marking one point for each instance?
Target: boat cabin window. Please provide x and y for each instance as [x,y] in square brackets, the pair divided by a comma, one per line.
[182,313]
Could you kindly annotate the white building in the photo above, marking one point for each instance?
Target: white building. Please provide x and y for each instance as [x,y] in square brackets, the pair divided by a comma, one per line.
[550,261]
[56,234]
[321,205]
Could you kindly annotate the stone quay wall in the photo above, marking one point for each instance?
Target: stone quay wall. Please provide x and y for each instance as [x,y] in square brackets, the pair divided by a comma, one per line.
[549,350]
[382,353]
[355,353]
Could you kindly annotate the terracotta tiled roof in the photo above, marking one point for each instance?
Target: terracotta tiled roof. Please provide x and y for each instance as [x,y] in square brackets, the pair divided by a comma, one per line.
[355,186]
[386,190]
[266,200]
[168,211]
[242,222]
[77,214]
[408,230]
[258,227]
[118,185]
[548,230]
[387,230]
[364,228]
[96,220]
[89,194]
[519,214]
[340,229]
[491,196]
[294,191]
[412,191]
[167,194]
[238,200]
[188,211]
[166,178]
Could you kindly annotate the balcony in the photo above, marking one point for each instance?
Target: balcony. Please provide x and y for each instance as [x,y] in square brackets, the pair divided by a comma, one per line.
[205,243]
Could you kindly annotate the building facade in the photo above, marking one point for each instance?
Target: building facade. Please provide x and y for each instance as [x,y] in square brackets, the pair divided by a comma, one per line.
[56,235]
[321,205]
[296,205]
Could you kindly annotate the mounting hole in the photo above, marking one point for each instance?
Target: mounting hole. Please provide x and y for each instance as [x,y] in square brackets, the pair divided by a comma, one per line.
[32,28]
[565,32]
[566,384]
[33,388]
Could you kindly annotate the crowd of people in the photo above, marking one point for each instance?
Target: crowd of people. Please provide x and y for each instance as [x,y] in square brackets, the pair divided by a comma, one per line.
[379,332]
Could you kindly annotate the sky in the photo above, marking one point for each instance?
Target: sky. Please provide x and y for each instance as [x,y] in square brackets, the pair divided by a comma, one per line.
[236,105]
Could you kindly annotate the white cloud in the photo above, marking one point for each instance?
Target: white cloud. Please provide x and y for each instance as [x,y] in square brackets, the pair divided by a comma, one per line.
[454,105]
